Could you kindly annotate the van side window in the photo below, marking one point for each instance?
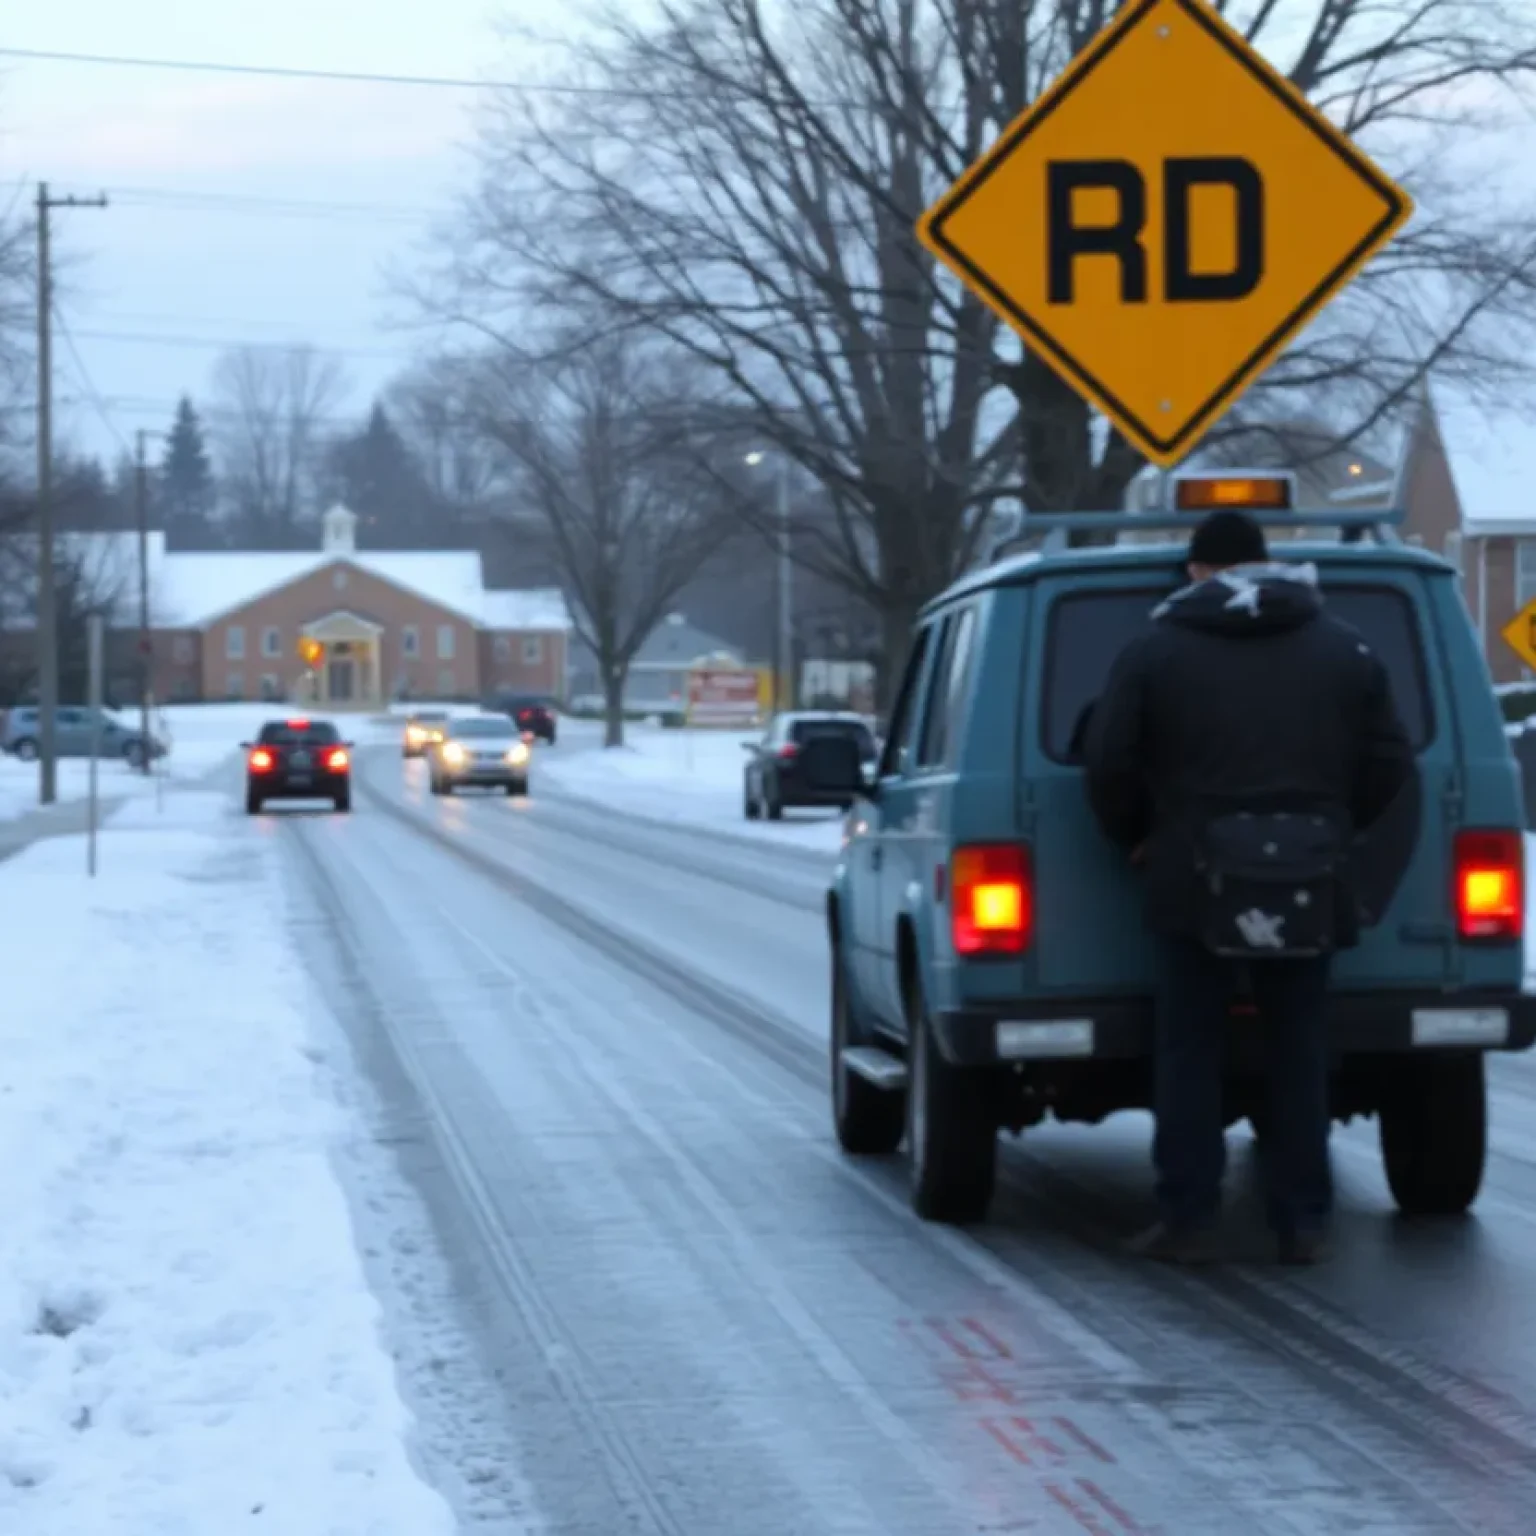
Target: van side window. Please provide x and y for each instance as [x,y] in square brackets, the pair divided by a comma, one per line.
[942,719]
[903,711]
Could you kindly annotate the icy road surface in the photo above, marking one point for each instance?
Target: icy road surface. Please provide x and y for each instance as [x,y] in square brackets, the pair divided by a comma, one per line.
[707,1323]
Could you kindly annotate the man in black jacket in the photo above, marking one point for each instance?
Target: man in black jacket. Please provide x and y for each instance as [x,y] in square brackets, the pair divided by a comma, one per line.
[1243,696]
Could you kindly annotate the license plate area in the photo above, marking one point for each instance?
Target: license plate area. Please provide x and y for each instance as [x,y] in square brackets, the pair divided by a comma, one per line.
[1460,1026]
[300,760]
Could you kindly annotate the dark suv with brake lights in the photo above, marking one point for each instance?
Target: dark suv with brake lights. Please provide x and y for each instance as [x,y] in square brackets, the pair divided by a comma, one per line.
[990,965]
[772,779]
[298,760]
[534,714]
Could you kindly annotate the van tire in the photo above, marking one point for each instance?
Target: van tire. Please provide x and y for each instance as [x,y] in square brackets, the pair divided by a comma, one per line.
[1434,1133]
[869,1121]
[951,1132]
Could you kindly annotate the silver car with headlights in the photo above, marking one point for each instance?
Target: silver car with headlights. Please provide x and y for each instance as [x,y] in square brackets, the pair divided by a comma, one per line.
[487,751]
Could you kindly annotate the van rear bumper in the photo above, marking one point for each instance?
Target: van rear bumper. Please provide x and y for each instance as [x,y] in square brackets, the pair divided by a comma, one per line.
[1120,1029]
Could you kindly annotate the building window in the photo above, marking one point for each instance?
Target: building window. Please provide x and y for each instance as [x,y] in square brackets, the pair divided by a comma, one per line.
[271,641]
[503,647]
[181,649]
[533,650]
[445,682]
[234,642]
[410,641]
[1525,571]
[445,642]
[234,686]
[271,688]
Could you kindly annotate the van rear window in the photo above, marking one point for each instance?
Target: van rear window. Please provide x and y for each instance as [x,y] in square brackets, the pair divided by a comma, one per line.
[1088,630]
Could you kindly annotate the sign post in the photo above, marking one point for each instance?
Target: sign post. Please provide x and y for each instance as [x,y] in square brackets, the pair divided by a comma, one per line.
[94,627]
[1163,221]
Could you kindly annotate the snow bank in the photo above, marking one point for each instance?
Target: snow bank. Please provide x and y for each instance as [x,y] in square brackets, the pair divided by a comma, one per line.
[692,776]
[186,1338]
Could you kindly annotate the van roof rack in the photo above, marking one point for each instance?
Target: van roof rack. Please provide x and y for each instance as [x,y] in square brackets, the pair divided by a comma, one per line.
[1057,527]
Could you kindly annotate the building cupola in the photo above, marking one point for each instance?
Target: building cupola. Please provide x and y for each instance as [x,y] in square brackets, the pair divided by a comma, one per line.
[338,531]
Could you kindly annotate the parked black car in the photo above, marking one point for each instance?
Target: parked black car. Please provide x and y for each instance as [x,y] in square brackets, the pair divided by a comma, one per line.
[534,713]
[772,780]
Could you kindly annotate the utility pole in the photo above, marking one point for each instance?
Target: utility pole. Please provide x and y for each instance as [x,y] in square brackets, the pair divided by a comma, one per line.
[141,509]
[47,611]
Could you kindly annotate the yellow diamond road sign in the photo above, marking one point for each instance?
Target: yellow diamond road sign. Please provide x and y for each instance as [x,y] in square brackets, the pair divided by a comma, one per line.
[1520,634]
[1164,220]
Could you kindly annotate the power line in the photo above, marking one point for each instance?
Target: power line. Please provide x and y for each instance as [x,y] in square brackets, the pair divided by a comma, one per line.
[355,76]
[293,207]
[231,344]
[87,385]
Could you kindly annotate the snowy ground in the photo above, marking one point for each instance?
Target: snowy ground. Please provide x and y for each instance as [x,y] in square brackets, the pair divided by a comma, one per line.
[692,776]
[186,1337]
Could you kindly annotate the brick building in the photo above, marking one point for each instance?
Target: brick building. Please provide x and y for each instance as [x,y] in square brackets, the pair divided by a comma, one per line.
[390,624]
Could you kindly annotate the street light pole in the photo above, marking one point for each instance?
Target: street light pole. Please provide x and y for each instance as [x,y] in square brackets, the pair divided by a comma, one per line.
[141,509]
[784,644]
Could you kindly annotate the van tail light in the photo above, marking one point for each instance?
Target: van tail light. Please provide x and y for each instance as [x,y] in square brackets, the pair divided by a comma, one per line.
[261,761]
[992,899]
[1490,887]
[337,760]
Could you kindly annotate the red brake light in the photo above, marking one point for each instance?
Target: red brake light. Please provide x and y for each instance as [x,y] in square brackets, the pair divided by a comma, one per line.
[1490,887]
[337,759]
[991,896]
[789,751]
[261,760]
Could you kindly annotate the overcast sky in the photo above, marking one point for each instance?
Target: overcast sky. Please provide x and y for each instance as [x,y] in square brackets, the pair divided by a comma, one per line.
[250,209]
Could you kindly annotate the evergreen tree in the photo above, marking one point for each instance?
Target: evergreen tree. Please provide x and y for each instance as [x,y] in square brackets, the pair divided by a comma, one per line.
[378,477]
[186,489]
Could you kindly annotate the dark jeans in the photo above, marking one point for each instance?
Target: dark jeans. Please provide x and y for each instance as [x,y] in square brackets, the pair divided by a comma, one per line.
[1193,1025]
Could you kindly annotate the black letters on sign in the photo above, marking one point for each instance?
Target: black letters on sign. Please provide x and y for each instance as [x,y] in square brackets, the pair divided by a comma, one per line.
[1180,177]
[1066,240]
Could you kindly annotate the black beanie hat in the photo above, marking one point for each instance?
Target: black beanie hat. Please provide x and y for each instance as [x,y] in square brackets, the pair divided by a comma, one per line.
[1227,538]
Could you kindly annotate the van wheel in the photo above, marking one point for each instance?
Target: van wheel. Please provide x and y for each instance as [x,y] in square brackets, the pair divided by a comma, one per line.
[870,1121]
[1434,1134]
[951,1132]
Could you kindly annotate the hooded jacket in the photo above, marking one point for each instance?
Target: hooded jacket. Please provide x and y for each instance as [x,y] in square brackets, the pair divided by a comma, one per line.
[1244,694]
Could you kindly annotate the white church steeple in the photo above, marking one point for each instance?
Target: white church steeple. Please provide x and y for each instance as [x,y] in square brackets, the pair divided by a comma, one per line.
[338,531]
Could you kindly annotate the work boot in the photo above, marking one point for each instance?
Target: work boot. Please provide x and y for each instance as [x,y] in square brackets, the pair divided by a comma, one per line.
[1176,1245]
[1301,1249]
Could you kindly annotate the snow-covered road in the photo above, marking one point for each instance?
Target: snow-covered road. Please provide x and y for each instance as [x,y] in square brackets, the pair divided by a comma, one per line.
[605,1037]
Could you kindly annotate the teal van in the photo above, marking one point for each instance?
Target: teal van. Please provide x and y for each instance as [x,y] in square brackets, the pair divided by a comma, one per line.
[989,965]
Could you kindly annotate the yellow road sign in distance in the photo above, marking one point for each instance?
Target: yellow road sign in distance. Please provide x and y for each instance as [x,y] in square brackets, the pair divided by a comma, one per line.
[1520,634]
[1162,222]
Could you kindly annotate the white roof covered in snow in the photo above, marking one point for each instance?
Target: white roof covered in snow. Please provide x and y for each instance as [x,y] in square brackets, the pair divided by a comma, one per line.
[191,590]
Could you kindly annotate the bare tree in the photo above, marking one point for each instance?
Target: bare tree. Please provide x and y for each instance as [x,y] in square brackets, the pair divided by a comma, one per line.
[744,179]
[598,443]
[18,311]
[268,424]
[459,464]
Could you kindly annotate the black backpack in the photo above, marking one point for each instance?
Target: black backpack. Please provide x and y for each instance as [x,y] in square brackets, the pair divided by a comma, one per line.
[1270,885]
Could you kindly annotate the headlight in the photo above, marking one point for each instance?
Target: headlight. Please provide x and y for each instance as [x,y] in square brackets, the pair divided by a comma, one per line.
[517,753]
[453,752]
[415,735]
